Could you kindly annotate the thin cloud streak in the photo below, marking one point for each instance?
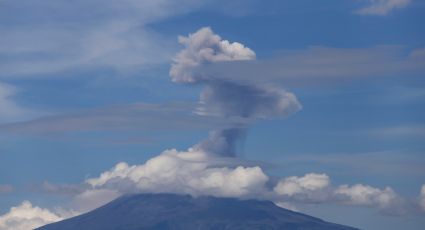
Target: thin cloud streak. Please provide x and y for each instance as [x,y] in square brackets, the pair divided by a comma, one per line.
[382,7]
[402,131]
[318,66]
[136,117]
[84,35]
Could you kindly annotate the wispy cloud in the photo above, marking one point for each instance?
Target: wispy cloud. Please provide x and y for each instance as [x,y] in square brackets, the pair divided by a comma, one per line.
[138,116]
[382,7]
[82,34]
[58,189]
[407,131]
[320,65]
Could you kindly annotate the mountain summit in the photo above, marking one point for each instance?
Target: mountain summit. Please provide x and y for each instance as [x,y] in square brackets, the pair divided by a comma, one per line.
[171,211]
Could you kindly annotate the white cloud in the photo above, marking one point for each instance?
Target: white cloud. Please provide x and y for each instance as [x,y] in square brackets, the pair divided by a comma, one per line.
[360,194]
[316,188]
[188,172]
[422,197]
[26,216]
[197,173]
[382,7]
[310,182]
[194,172]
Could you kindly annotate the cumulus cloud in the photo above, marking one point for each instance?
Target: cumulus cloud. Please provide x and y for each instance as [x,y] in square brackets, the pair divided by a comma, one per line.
[316,188]
[422,197]
[307,184]
[199,173]
[360,194]
[310,188]
[26,216]
[382,7]
[227,97]
[188,172]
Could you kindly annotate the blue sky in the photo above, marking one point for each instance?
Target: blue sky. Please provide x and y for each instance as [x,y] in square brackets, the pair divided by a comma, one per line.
[85,85]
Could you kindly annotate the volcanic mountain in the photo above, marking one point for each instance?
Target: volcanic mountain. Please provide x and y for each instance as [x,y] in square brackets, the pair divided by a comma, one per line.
[171,211]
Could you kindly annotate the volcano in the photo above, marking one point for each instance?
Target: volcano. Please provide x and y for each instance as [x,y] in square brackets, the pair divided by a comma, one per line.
[172,211]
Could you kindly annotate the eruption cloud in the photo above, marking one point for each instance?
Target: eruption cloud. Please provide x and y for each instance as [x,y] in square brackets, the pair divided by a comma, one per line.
[201,170]
[227,98]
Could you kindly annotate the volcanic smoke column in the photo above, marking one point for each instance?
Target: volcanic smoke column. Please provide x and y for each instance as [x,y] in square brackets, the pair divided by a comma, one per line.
[223,97]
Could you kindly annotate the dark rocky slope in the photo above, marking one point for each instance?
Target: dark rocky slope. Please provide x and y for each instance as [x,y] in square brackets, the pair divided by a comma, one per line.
[170,211]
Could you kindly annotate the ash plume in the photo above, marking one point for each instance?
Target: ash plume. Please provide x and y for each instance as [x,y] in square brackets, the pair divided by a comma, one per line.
[223,97]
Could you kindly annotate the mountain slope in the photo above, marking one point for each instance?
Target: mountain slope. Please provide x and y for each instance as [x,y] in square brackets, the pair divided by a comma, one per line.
[170,211]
